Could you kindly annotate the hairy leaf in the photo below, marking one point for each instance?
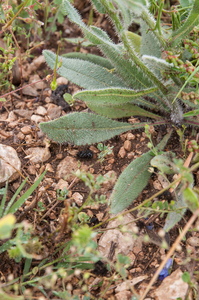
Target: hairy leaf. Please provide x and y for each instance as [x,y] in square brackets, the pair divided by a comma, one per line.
[112,95]
[83,128]
[186,28]
[99,6]
[119,111]
[129,72]
[164,162]
[117,103]
[83,73]
[135,40]
[125,12]
[191,199]
[137,6]
[174,217]
[157,63]
[80,41]
[133,180]
[98,60]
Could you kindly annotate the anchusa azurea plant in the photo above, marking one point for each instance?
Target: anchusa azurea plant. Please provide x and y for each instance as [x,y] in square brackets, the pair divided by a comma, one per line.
[133,80]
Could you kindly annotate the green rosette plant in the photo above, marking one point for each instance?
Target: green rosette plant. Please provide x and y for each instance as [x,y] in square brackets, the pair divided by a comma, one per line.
[132,79]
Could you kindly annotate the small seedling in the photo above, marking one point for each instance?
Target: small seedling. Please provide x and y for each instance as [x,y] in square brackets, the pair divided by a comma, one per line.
[104,151]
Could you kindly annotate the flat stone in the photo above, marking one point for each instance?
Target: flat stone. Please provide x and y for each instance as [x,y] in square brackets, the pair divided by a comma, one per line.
[54,111]
[61,185]
[193,241]
[65,167]
[41,111]
[38,154]
[20,136]
[125,285]
[124,241]
[163,181]
[37,119]
[124,295]
[10,158]
[30,91]
[39,85]
[173,286]
[24,113]
[78,198]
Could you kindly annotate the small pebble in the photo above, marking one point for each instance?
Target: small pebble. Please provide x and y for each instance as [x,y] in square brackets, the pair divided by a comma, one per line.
[130,136]
[127,145]
[37,119]
[28,138]
[41,111]
[78,198]
[130,155]
[26,130]
[122,152]
[20,136]
[111,161]
[31,170]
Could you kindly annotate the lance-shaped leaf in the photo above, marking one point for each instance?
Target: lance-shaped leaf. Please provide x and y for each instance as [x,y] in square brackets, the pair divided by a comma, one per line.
[186,28]
[175,216]
[135,40]
[191,113]
[164,162]
[137,6]
[125,13]
[80,41]
[98,60]
[191,199]
[83,128]
[133,180]
[120,111]
[83,73]
[116,96]
[149,43]
[192,122]
[150,46]
[99,6]
[117,103]
[158,63]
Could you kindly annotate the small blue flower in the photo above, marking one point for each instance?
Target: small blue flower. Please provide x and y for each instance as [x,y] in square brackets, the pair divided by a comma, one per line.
[165,271]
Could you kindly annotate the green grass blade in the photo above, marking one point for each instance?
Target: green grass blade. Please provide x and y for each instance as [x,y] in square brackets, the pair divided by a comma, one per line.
[3,200]
[24,197]
[14,197]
